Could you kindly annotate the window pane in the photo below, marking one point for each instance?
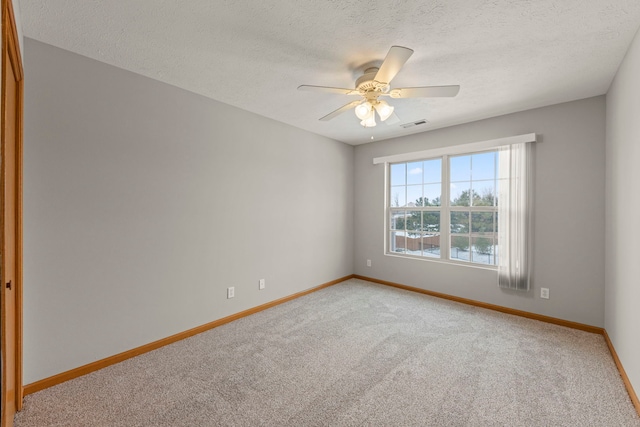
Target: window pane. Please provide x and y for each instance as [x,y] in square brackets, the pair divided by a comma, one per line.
[414,173]
[398,197]
[483,193]
[431,245]
[483,166]
[460,248]
[414,220]
[483,250]
[460,194]
[482,222]
[433,171]
[414,195]
[431,237]
[397,220]
[460,168]
[432,193]
[414,244]
[431,222]
[397,241]
[460,222]
[398,174]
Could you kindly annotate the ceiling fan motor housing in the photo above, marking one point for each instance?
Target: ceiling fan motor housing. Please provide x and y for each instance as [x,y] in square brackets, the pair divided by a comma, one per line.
[366,82]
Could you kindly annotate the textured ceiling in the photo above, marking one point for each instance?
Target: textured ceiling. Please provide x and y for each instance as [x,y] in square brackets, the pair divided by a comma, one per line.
[507,55]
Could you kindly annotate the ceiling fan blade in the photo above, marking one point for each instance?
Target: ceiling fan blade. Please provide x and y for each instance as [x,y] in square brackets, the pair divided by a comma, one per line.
[326,89]
[425,92]
[393,119]
[392,63]
[340,110]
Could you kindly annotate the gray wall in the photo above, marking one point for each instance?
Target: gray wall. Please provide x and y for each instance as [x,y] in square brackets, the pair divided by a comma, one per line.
[569,213]
[622,299]
[144,202]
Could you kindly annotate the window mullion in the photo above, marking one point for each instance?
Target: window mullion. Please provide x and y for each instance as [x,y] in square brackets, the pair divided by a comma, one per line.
[387,207]
[445,217]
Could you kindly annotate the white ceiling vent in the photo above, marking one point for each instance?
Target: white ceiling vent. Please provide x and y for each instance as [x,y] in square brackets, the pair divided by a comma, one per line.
[412,124]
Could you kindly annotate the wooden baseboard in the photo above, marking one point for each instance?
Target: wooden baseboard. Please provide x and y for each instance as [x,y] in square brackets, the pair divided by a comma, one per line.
[507,310]
[632,394]
[112,360]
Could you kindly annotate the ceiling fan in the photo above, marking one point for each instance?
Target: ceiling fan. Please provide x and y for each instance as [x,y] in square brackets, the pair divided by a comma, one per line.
[374,83]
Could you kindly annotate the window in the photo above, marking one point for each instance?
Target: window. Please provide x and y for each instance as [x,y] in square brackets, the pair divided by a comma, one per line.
[445,208]
[415,213]
[473,207]
[465,204]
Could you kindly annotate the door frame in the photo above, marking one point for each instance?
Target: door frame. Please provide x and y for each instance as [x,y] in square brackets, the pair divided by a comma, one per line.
[11,54]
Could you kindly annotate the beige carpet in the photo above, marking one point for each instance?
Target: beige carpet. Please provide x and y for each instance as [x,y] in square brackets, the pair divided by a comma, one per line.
[355,354]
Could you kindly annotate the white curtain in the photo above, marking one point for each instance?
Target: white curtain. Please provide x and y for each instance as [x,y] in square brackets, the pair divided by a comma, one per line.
[514,216]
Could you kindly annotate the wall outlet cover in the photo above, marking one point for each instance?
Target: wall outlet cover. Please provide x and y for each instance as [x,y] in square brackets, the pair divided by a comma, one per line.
[544,293]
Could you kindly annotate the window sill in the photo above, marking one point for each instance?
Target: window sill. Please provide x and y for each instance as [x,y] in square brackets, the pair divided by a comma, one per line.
[444,261]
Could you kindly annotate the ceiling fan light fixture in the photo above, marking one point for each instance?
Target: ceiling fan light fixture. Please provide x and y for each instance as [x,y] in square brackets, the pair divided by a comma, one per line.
[369,121]
[384,110]
[364,110]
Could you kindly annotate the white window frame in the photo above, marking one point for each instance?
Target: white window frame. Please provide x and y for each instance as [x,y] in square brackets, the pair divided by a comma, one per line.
[445,209]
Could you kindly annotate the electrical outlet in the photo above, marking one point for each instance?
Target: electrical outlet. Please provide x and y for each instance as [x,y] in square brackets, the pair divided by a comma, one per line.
[368,263]
[261,284]
[231,292]
[544,293]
